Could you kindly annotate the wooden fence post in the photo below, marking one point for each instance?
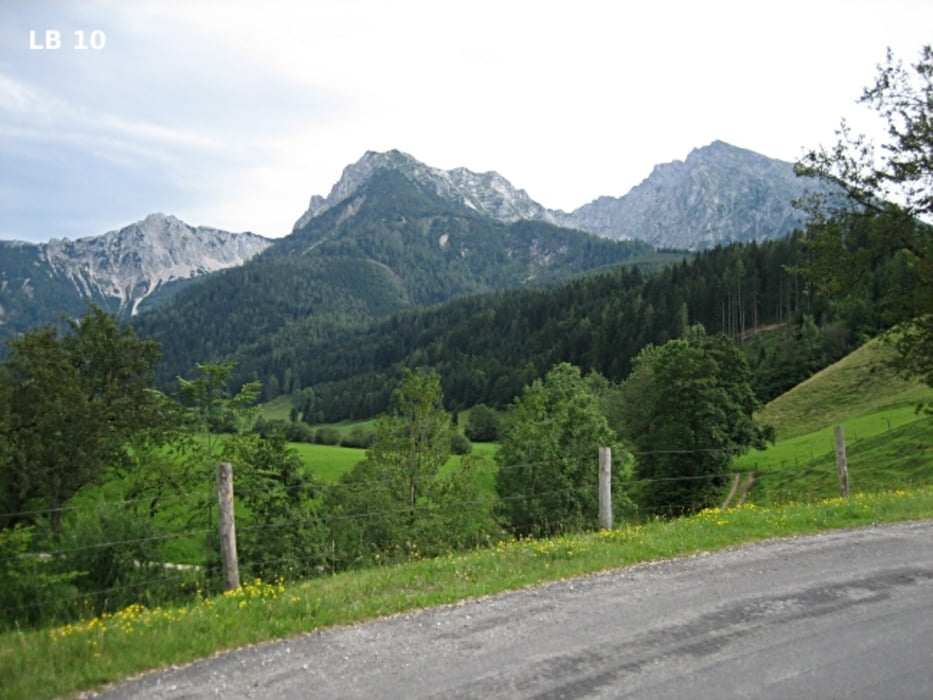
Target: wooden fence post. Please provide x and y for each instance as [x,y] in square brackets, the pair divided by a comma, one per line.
[227,526]
[842,466]
[605,488]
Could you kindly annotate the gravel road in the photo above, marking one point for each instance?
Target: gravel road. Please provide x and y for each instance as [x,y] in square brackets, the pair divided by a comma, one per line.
[842,615]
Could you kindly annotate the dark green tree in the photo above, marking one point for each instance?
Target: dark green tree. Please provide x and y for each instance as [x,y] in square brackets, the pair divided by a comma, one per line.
[74,405]
[548,460]
[398,502]
[875,209]
[687,408]
[483,424]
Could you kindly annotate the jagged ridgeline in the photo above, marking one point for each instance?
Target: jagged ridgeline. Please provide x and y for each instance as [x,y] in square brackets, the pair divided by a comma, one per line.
[393,234]
[393,243]
[139,266]
[718,195]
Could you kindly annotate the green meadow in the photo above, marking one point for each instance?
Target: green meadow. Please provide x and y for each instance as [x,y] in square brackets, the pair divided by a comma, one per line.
[888,441]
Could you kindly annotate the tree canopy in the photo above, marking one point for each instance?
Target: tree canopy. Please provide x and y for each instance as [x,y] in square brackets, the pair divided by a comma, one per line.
[73,403]
[687,409]
[548,459]
[876,210]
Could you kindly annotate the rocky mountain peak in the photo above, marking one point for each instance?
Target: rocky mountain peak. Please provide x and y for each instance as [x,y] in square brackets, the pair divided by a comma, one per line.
[131,263]
[719,194]
[486,193]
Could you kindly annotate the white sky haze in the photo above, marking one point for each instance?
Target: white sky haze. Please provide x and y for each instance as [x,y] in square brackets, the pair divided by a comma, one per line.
[232,114]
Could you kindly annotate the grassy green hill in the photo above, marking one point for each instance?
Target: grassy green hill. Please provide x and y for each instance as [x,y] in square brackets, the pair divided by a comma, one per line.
[857,385]
[889,444]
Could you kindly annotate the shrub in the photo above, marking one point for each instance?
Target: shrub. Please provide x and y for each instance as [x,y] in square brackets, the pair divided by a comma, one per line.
[327,436]
[118,553]
[32,593]
[459,443]
[358,438]
[297,431]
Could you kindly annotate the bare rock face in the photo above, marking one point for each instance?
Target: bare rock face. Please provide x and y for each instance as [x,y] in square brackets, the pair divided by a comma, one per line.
[130,264]
[719,195]
[119,270]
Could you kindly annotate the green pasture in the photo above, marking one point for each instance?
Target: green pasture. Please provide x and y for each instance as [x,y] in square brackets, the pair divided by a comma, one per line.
[889,442]
[327,463]
[857,387]
[804,468]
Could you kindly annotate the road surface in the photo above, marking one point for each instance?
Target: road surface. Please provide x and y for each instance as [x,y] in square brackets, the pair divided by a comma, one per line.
[842,615]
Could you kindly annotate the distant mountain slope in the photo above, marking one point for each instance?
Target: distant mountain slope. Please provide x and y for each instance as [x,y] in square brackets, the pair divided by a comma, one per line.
[488,347]
[720,194]
[439,245]
[409,240]
[122,271]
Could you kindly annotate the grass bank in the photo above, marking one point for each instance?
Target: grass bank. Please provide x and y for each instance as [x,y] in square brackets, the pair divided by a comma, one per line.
[804,468]
[87,655]
[859,385]
[888,442]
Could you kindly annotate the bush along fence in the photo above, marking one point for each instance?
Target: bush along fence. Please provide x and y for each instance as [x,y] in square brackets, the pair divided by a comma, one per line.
[113,555]
[227,518]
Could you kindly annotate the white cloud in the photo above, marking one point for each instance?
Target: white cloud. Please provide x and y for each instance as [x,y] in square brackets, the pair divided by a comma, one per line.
[239,111]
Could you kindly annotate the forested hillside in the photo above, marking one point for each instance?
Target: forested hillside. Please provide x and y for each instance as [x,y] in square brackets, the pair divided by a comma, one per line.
[487,347]
[141,265]
[395,244]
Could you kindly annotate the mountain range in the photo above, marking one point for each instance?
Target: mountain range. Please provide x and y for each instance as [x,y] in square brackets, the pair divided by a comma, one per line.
[393,232]
[719,194]
[123,271]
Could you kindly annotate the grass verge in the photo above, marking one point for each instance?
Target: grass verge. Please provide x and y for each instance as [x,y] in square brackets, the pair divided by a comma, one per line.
[87,655]
[882,449]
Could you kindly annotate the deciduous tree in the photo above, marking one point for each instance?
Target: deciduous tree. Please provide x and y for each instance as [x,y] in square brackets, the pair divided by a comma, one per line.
[483,425]
[876,209]
[279,533]
[687,408]
[413,442]
[74,403]
[548,460]
[398,501]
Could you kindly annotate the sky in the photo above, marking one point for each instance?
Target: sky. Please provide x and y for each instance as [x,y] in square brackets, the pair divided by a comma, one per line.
[232,114]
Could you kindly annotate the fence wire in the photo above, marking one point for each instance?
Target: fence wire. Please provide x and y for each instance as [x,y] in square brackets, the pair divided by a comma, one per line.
[321,555]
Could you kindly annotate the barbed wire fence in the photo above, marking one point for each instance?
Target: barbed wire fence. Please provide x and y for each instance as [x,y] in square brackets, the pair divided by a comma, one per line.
[157,581]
